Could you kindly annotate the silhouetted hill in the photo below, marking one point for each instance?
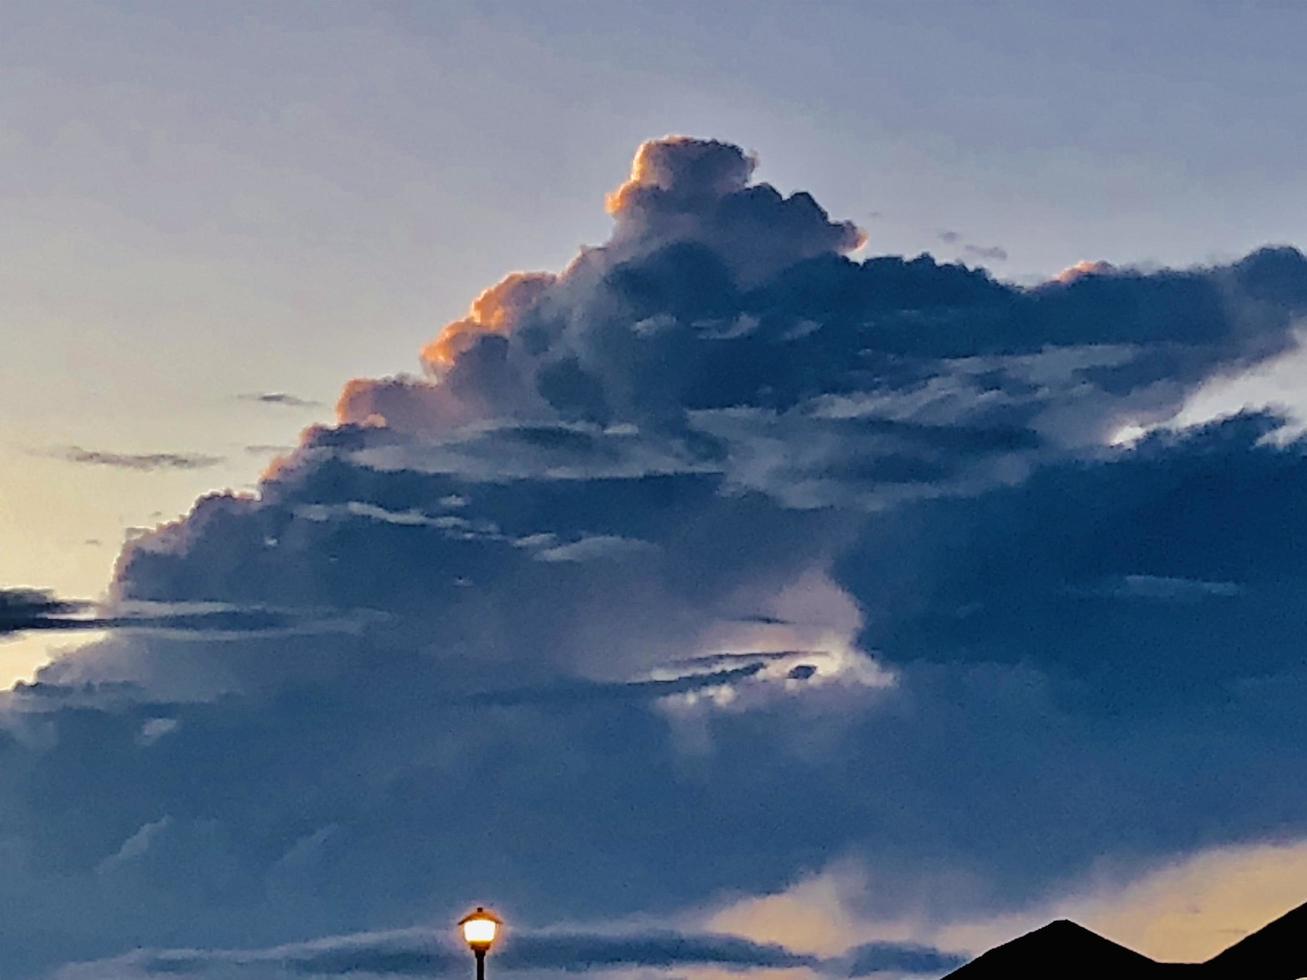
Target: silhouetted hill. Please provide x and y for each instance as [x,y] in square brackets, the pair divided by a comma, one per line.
[1064,949]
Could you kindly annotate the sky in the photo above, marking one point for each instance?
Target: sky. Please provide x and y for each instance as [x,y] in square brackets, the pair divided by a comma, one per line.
[825,543]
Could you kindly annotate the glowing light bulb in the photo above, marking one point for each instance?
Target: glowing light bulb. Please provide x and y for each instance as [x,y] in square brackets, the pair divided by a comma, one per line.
[479,928]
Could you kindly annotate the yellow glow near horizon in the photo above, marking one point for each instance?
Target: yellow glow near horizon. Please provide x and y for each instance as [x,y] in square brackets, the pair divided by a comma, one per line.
[1184,911]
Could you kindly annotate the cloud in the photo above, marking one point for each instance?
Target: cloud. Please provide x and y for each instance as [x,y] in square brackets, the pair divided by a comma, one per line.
[495,312]
[156,728]
[362,510]
[282,398]
[583,692]
[1273,386]
[658,949]
[993,253]
[136,846]
[595,547]
[1167,588]
[143,462]
[1085,562]
[686,189]
[875,958]
[395,953]
[265,449]
[38,610]
[28,609]
[419,952]
[990,253]
[1083,269]
[680,572]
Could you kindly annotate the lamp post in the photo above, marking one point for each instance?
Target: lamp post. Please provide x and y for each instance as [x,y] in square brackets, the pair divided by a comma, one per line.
[479,930]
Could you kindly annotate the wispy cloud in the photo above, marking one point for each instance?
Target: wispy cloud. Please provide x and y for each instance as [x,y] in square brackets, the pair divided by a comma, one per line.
[1162,588]
[282,398]
[32,609]
[596,547]
[264,448]
[39,610]
[993,253]
[142,462]
[583,692]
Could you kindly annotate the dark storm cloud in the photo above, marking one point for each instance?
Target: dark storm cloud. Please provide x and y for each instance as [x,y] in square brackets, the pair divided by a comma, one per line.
[334,532]
[318,803]
[555,529]
[144,462]
[1111,570]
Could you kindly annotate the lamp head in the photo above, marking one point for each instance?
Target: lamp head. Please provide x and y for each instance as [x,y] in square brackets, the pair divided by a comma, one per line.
[479,928]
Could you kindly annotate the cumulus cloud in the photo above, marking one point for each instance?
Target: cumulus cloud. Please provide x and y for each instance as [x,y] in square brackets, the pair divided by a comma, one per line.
[1083,269]
[685,189]
[714,556]
[496,311]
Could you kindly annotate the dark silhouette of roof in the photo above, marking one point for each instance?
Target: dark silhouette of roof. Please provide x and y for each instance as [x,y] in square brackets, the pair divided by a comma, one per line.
[1065,950]
[1053,948]
[1274,952]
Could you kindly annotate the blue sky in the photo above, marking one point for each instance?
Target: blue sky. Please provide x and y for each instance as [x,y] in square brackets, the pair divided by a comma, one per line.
[751,597]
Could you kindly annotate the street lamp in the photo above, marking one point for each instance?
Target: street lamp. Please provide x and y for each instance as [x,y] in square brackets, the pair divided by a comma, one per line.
[479,930]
